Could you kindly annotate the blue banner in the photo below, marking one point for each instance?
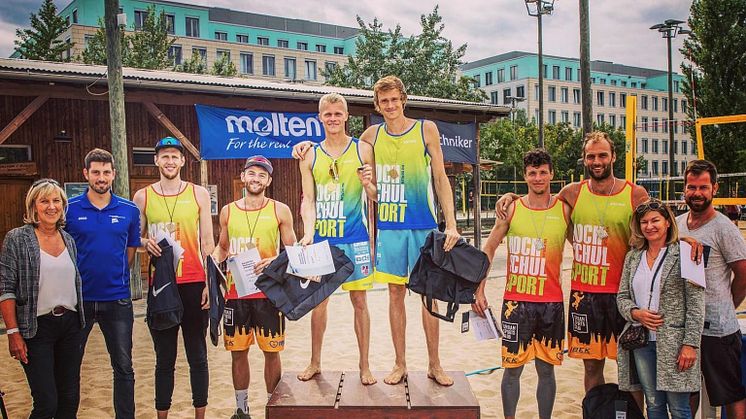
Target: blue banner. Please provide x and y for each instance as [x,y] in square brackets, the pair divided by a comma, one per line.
[236,134]
[458,141]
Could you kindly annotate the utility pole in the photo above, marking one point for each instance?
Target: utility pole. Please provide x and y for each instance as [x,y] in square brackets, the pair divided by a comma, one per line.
[585,68]
[116,98]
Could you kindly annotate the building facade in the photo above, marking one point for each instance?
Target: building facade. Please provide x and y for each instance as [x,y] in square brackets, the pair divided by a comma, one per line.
[516,74]
[261,46]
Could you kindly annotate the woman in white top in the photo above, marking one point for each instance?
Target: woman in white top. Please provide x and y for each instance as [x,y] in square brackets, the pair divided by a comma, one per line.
[653,293]
[40,300]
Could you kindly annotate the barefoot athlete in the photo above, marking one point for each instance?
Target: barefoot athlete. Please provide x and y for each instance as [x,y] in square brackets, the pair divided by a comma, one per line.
[337,175]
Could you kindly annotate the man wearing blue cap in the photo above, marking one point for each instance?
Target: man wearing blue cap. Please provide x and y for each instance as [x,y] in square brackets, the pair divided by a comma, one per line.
[181,210]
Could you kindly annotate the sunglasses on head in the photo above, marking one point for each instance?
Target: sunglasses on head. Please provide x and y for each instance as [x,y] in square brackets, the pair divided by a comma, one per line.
[652,205]
[45,181]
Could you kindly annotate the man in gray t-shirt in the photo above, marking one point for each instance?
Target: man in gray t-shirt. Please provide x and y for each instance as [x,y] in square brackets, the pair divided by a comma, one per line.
[724,256]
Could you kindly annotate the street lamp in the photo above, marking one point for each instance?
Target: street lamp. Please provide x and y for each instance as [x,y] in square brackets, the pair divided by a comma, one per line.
[513,100]
[537,8]
[669,29]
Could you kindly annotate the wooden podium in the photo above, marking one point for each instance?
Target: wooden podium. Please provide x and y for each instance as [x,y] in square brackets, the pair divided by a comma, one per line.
[337,394]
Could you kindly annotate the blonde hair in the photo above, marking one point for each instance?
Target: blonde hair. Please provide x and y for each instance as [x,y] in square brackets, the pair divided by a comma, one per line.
[389,83]
[637,240]
[598,136]
[42,188]
[330,98]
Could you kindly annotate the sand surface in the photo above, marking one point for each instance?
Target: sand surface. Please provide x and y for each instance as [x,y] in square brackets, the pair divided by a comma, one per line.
[457,352]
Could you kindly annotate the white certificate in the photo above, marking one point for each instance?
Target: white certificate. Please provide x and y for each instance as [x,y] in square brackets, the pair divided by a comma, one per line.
[311,260]
[242,269]
[690,270]
[484,327]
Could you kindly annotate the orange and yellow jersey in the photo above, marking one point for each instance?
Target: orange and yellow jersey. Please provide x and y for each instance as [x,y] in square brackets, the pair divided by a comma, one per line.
[178,215]
[266,236]
[600,238]
[536,239]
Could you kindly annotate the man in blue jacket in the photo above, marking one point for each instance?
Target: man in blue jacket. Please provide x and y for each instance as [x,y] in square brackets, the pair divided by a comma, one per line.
[106,229]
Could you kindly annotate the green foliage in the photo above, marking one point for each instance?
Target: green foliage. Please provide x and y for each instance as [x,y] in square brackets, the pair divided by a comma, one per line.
[42,41]
[717,77]
[195,64]
[427,63]
[224,67]
[146,47]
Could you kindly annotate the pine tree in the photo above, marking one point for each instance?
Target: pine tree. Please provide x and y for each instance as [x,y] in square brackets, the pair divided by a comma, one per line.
[151,42]
[715,82]
[42,41]
[95,51]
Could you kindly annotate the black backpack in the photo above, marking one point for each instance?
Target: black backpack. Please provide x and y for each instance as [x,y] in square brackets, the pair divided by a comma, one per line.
[607,401]
[452,277]
[164,302]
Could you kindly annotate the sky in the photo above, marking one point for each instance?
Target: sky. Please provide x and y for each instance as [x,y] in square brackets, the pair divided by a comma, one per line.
[619,28]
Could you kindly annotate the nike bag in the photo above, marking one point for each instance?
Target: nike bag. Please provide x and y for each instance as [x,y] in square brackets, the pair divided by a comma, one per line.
[164,303]
[452,277]
[295,296]
[606,401]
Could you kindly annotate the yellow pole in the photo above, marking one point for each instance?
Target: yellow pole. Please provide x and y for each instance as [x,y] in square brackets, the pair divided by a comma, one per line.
[630,171]
[463,194]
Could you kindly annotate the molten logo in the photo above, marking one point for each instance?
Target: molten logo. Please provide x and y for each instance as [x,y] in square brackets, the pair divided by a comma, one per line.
[275,124]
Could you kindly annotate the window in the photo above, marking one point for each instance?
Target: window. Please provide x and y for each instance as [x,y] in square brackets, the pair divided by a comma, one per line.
[576,119]
[247,63]
[68,52]
[675,127]
[683,166]
[613,82]
[676,86]
[283,43]
[624,83]
[514,72]
[612,99]
[644,124]
[536,116]
[170,24]
[578,74]
[675,105]
[552,117]
[655,102]
[260,40]
[329,66]
[87,40]
[506,95]
[143,156]
[664,167]
[693,148]
[655,167]
[202,53]
[500,75]
[221,53]
[75,16]
[565,117]
[221,36]
[174,54]
[576,96]
[602,81]
[564,95]
[655,146]
[192,27]
[268,65]
[568,73]
[593,80]
[644,145]
[675,147]
[622,121]
[612,120]
[488,78]
[140,17]
[684,144]
[552,93]
[320,48]
[477,80]
[546,71]
[665,125]
[242,39]
[600,119]
[556,72]
[290,68]
[311,70]
[622,100]
[536,92]
[339,50]
[664,104]
[643,102]
[67,21]
[633,84]
[494,97]
[664,146]
[600,98]
[520,91]
[303,46]
[683,105]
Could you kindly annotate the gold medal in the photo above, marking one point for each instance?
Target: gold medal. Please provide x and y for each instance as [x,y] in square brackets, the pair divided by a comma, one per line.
[539,244]
[330,187]
[602,232]
[393,174]
[171,227]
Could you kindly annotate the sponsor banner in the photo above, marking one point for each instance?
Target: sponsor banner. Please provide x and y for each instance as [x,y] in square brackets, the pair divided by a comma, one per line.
[236,134]
[458,141]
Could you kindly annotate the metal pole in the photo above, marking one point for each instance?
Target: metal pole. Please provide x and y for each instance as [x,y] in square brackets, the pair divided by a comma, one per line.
[541,83]
[585,69]
[671,157]
[116,98]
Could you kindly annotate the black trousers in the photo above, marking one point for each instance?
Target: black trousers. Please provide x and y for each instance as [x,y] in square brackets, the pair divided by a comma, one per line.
[194,330]
[53,369]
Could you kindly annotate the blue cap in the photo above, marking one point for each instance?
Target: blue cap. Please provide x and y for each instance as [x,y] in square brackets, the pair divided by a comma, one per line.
[166,142]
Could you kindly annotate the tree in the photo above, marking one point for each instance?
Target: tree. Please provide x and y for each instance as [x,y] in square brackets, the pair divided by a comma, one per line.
[427,63]
[42,41]
[195,64]
[223,66]
[95,51]
[715,81]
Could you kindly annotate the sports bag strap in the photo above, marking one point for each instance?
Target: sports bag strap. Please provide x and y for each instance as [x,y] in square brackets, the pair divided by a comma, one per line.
[652,282]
